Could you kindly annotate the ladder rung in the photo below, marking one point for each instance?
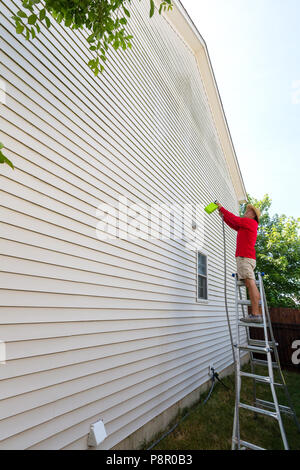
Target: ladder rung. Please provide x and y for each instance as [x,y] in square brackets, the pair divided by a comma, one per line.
[250,446]
[246,302]
[259,378]
[241,283]
[261,342]
[258,410]
[262,362]
[271,406]
[257,349]
[252,325]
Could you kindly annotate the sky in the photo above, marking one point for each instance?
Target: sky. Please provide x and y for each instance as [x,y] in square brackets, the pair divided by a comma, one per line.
[254,48]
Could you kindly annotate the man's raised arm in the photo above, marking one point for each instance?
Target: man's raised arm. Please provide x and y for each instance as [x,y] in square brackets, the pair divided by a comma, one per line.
[232,220]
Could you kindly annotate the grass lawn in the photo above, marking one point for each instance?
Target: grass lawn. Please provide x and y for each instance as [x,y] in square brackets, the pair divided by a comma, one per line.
[209,427]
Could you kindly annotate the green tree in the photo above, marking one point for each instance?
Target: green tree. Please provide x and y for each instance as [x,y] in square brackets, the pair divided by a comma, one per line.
[278,254]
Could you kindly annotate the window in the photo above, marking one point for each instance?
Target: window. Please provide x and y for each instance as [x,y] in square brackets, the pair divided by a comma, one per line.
[201,276]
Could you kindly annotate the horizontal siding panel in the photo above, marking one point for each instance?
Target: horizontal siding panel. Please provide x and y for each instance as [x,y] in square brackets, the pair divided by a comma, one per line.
[129,397]
[14,315]
[209,221]
[51,249]
[134,290]
[23,332]
[79,233]
[137,339]
[52,299]
[108,355]
[95,246]
[128,280]
[142,412]
[43,240]
[59,384]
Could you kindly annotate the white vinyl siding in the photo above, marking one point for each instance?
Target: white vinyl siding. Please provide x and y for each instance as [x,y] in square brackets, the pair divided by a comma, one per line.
[103,329]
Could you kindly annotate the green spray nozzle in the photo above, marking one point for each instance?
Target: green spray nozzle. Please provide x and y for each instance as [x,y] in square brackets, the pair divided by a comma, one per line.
[211,207]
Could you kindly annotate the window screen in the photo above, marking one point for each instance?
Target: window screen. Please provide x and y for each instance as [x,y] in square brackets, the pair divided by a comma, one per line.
[202,276]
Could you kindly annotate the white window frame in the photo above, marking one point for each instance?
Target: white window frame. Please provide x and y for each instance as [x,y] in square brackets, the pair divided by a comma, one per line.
[198,299]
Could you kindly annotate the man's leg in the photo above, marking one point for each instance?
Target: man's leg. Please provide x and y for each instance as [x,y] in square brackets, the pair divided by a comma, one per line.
[254,296]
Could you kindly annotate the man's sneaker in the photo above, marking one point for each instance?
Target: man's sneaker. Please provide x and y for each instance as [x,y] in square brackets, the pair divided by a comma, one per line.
[252,319]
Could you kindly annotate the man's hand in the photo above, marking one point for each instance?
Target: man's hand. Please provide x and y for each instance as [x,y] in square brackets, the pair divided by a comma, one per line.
[219,207]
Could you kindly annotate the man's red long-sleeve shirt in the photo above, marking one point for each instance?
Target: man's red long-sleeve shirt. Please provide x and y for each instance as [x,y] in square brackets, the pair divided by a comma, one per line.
[246,233]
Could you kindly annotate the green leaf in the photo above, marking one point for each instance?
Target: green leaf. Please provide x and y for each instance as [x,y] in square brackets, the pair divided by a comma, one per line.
[42,14]
[20,29]
[1,145]
[32,19]
[116,44]
[4,159]
[69,18]
[152,7]
[48,22]
[33,33]
[91,38]
[22,14]
[27,34]
[126,11]
[59,17]
[8,162]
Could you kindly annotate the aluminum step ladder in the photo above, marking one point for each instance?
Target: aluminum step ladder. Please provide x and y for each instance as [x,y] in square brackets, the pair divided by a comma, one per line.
[264,347]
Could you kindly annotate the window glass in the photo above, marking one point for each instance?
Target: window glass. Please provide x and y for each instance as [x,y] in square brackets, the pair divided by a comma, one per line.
[201,277]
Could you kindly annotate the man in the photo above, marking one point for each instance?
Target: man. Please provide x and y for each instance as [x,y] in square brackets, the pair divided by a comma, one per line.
[246,228]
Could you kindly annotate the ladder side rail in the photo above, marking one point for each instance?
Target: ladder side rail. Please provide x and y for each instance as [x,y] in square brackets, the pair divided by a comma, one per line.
[273,338]
[276,355]
[263,312]
[252,365]
[236,440]
[270,369]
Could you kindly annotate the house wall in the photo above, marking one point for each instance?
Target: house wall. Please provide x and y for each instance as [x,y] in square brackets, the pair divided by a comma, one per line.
[104,329]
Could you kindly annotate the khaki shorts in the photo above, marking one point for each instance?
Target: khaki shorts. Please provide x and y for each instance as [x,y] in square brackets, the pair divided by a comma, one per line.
[245,267]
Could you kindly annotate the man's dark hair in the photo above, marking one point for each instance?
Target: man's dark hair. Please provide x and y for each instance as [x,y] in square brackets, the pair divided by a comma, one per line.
[255,218]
